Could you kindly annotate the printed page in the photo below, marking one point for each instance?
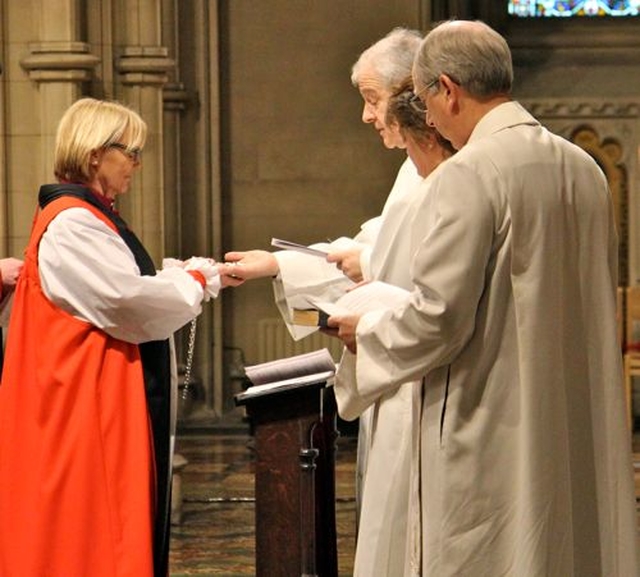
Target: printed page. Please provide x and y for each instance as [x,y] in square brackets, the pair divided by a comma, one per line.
[255,390]
[365,298]
[321,249]
[291,368]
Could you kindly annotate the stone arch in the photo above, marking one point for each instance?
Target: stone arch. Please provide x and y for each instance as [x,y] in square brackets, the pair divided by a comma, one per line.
[608,153]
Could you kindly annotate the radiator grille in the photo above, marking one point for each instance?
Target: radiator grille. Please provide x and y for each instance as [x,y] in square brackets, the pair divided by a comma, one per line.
[275,342]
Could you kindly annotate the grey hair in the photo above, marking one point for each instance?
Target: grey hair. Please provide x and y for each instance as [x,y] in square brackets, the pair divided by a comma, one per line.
[390,57]
[471,53]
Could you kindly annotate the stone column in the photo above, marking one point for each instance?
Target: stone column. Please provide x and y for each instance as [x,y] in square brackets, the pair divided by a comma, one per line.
[176,101]
[192,170]
[142,64]
[56,64]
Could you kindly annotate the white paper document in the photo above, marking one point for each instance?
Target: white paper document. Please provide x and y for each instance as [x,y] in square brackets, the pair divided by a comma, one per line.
[290,372]
[288,245]
[362,299]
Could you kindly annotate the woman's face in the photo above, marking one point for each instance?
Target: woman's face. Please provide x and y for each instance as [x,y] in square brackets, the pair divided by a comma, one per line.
[376,98]
[114,167]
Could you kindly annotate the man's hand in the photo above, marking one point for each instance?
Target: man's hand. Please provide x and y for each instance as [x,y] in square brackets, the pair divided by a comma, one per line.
[10,270]
[348,261]
[249,264]
[343,327]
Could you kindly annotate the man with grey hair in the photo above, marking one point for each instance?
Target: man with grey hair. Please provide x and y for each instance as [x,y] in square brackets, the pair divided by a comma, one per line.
[384,438]
[524,454]
[378,71]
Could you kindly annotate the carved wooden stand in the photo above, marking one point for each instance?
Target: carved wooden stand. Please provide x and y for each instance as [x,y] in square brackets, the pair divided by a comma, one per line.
[295,435]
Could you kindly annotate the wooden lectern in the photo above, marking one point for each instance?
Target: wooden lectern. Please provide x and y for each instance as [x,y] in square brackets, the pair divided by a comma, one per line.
[295,439]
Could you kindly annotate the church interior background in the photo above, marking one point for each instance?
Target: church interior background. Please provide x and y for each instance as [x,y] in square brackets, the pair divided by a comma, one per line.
[255,133]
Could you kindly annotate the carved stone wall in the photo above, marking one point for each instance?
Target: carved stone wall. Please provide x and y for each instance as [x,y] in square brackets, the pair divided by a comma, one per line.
[609,130]
[53,53]
[56,52]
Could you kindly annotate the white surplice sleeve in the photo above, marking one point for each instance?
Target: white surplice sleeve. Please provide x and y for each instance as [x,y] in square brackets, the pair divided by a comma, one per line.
[452,235]
[301,276]
[367,236]
[87,270]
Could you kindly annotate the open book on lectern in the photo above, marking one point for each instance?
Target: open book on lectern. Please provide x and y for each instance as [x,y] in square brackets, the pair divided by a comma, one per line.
[289,372]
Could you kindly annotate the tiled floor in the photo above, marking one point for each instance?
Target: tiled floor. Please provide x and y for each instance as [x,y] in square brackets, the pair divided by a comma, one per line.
[216,535]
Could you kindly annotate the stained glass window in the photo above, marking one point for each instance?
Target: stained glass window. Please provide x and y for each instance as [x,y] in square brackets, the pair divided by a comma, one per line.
[568,8]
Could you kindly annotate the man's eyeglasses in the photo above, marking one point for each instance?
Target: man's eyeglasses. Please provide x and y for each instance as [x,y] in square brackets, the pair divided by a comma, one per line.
[133,153]
[416,102]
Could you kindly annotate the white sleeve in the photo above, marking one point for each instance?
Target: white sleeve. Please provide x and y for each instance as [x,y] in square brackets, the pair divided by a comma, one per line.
[365,263]
[406,181]
[303,276]
[452,235]
[369,231]
[87,270]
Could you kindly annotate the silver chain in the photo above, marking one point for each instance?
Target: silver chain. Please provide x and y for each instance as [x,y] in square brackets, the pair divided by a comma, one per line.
[190,349]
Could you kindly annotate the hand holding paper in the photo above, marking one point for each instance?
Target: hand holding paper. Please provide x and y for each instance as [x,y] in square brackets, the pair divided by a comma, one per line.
[363,298]
[344,328]
[345,313]
[348,261]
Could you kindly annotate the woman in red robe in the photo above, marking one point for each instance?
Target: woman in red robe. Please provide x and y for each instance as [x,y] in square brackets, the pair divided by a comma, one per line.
[85,400]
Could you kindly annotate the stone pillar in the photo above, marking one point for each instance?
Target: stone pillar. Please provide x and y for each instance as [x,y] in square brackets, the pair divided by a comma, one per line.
[175,99]
[59,68]
[56,66]
[192,170]
[142,65]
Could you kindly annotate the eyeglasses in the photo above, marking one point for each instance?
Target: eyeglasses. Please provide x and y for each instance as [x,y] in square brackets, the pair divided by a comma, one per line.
[416,102]
[134,154]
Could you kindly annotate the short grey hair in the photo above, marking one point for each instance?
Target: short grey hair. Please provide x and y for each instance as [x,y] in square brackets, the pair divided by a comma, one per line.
[471,53]
[390,57]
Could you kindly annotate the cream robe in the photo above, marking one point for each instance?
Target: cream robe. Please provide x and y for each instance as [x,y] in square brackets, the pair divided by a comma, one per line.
[525,451]
[383,546]
[384,436]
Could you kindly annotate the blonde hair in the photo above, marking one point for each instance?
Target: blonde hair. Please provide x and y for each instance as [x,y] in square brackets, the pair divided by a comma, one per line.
[89,125]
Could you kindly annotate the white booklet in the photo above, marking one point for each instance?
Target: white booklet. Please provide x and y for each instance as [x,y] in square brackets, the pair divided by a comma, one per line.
[288,245]
[289,372]
[362,299]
